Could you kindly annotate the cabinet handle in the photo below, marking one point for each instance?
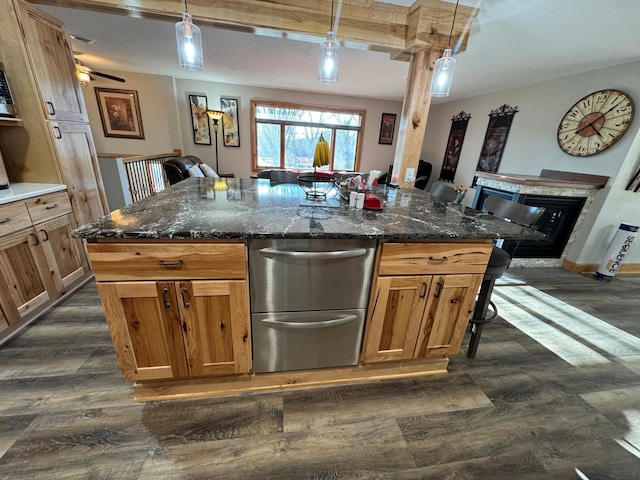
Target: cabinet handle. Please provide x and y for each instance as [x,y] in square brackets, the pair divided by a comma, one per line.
[438,290]
[438,260]
[5,220]
[176,263]
[184,298]
[424,290]
[46,235]
[50,108]
[57,133]
[454,300]
[51,207]
[167,305]
[35,239]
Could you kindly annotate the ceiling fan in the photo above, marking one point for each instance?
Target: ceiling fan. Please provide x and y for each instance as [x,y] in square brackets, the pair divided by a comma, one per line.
[85,74]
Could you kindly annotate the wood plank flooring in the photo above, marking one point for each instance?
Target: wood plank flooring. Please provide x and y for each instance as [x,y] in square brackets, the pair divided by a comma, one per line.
[530,406]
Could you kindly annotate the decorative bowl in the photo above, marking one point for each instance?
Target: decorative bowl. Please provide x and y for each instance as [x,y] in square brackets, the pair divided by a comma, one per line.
[316,186]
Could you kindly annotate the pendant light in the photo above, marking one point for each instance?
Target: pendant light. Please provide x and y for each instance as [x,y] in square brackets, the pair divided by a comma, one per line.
[444,68]
[328,62]
[189,42]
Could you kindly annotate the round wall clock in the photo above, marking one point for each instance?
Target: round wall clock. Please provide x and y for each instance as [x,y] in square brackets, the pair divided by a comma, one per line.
[595,122]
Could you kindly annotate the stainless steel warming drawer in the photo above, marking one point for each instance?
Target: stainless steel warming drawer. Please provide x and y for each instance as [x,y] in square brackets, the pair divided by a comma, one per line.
[308,301]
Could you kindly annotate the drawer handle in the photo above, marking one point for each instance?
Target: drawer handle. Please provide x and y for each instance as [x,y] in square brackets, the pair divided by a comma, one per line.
[5,220]
[176,263]
[438,260]
[51,207]
[269,322]
[272,252]
[50,108]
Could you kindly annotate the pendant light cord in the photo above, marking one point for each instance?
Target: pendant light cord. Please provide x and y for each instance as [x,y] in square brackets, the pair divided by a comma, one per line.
[184,3]
[334,29]
[455,12]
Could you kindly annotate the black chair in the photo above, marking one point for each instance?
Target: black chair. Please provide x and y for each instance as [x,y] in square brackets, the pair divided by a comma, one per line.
[444,192]
[423,174]
[498,263]
[177,169]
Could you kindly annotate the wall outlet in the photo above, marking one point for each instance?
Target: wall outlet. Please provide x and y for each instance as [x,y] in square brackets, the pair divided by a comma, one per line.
[409,174]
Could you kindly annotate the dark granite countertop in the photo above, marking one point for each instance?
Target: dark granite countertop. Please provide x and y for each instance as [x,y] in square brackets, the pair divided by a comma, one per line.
[254,208]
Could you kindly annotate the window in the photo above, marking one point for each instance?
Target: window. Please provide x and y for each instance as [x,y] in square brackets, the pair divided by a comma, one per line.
[285,135]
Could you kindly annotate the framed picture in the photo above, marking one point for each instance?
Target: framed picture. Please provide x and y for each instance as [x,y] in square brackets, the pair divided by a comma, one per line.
[120,113]
[387,126]
[230,122]
[200,119]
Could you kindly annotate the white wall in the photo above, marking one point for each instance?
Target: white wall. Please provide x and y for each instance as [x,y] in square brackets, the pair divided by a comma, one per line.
[166,119]
[532,146]
[237,160]
[157,107]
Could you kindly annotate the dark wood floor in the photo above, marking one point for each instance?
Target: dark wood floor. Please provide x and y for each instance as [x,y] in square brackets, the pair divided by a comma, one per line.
[554,393]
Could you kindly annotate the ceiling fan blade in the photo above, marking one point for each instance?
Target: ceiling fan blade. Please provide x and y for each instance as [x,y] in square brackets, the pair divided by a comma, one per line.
[106,75]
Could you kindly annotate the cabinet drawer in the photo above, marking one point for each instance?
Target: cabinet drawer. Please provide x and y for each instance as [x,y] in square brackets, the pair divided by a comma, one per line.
[164,261]
[13,217]
[433,258]
[47,207]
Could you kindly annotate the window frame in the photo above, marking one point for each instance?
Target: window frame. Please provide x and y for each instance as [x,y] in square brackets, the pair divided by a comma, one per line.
[283,124]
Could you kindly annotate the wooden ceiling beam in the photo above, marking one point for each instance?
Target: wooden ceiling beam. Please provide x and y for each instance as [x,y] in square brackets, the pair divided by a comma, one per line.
[364,24]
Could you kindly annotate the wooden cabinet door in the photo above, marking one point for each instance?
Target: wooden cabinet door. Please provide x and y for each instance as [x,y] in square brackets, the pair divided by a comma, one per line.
[64,254]
[54,67]
[145,327]
[395,318]
[24,279]
[449,306]
[216,326]
[79,168]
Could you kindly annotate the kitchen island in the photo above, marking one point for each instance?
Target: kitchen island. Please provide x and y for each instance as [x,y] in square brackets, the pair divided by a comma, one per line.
[174,276]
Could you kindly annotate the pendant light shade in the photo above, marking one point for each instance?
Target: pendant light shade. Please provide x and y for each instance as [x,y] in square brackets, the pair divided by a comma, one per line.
[189,43]
[443,75]
[328,62]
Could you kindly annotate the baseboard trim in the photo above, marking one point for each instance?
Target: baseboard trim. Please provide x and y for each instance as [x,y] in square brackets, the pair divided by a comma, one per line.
[244,383]
[592,267]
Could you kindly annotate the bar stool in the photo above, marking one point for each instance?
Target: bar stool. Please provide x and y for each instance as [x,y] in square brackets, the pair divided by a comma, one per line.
[499,261]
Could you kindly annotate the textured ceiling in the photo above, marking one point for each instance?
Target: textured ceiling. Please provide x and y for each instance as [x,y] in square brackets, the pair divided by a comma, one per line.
[512,43]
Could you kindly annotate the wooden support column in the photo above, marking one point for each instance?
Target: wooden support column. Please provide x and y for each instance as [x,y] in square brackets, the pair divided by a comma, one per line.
[415,110]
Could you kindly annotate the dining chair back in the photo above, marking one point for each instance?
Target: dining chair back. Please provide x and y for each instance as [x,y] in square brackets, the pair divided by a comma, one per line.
[512,211]
[444,192]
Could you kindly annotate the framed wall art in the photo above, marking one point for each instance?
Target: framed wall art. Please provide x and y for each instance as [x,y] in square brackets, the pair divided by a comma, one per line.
[495,139]
[200,119]
[230,122]
[120,113]
[387,126]
[458,130]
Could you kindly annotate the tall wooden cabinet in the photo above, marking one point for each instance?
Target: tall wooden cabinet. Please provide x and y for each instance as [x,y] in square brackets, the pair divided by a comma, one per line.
[422,297]
[54,144]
